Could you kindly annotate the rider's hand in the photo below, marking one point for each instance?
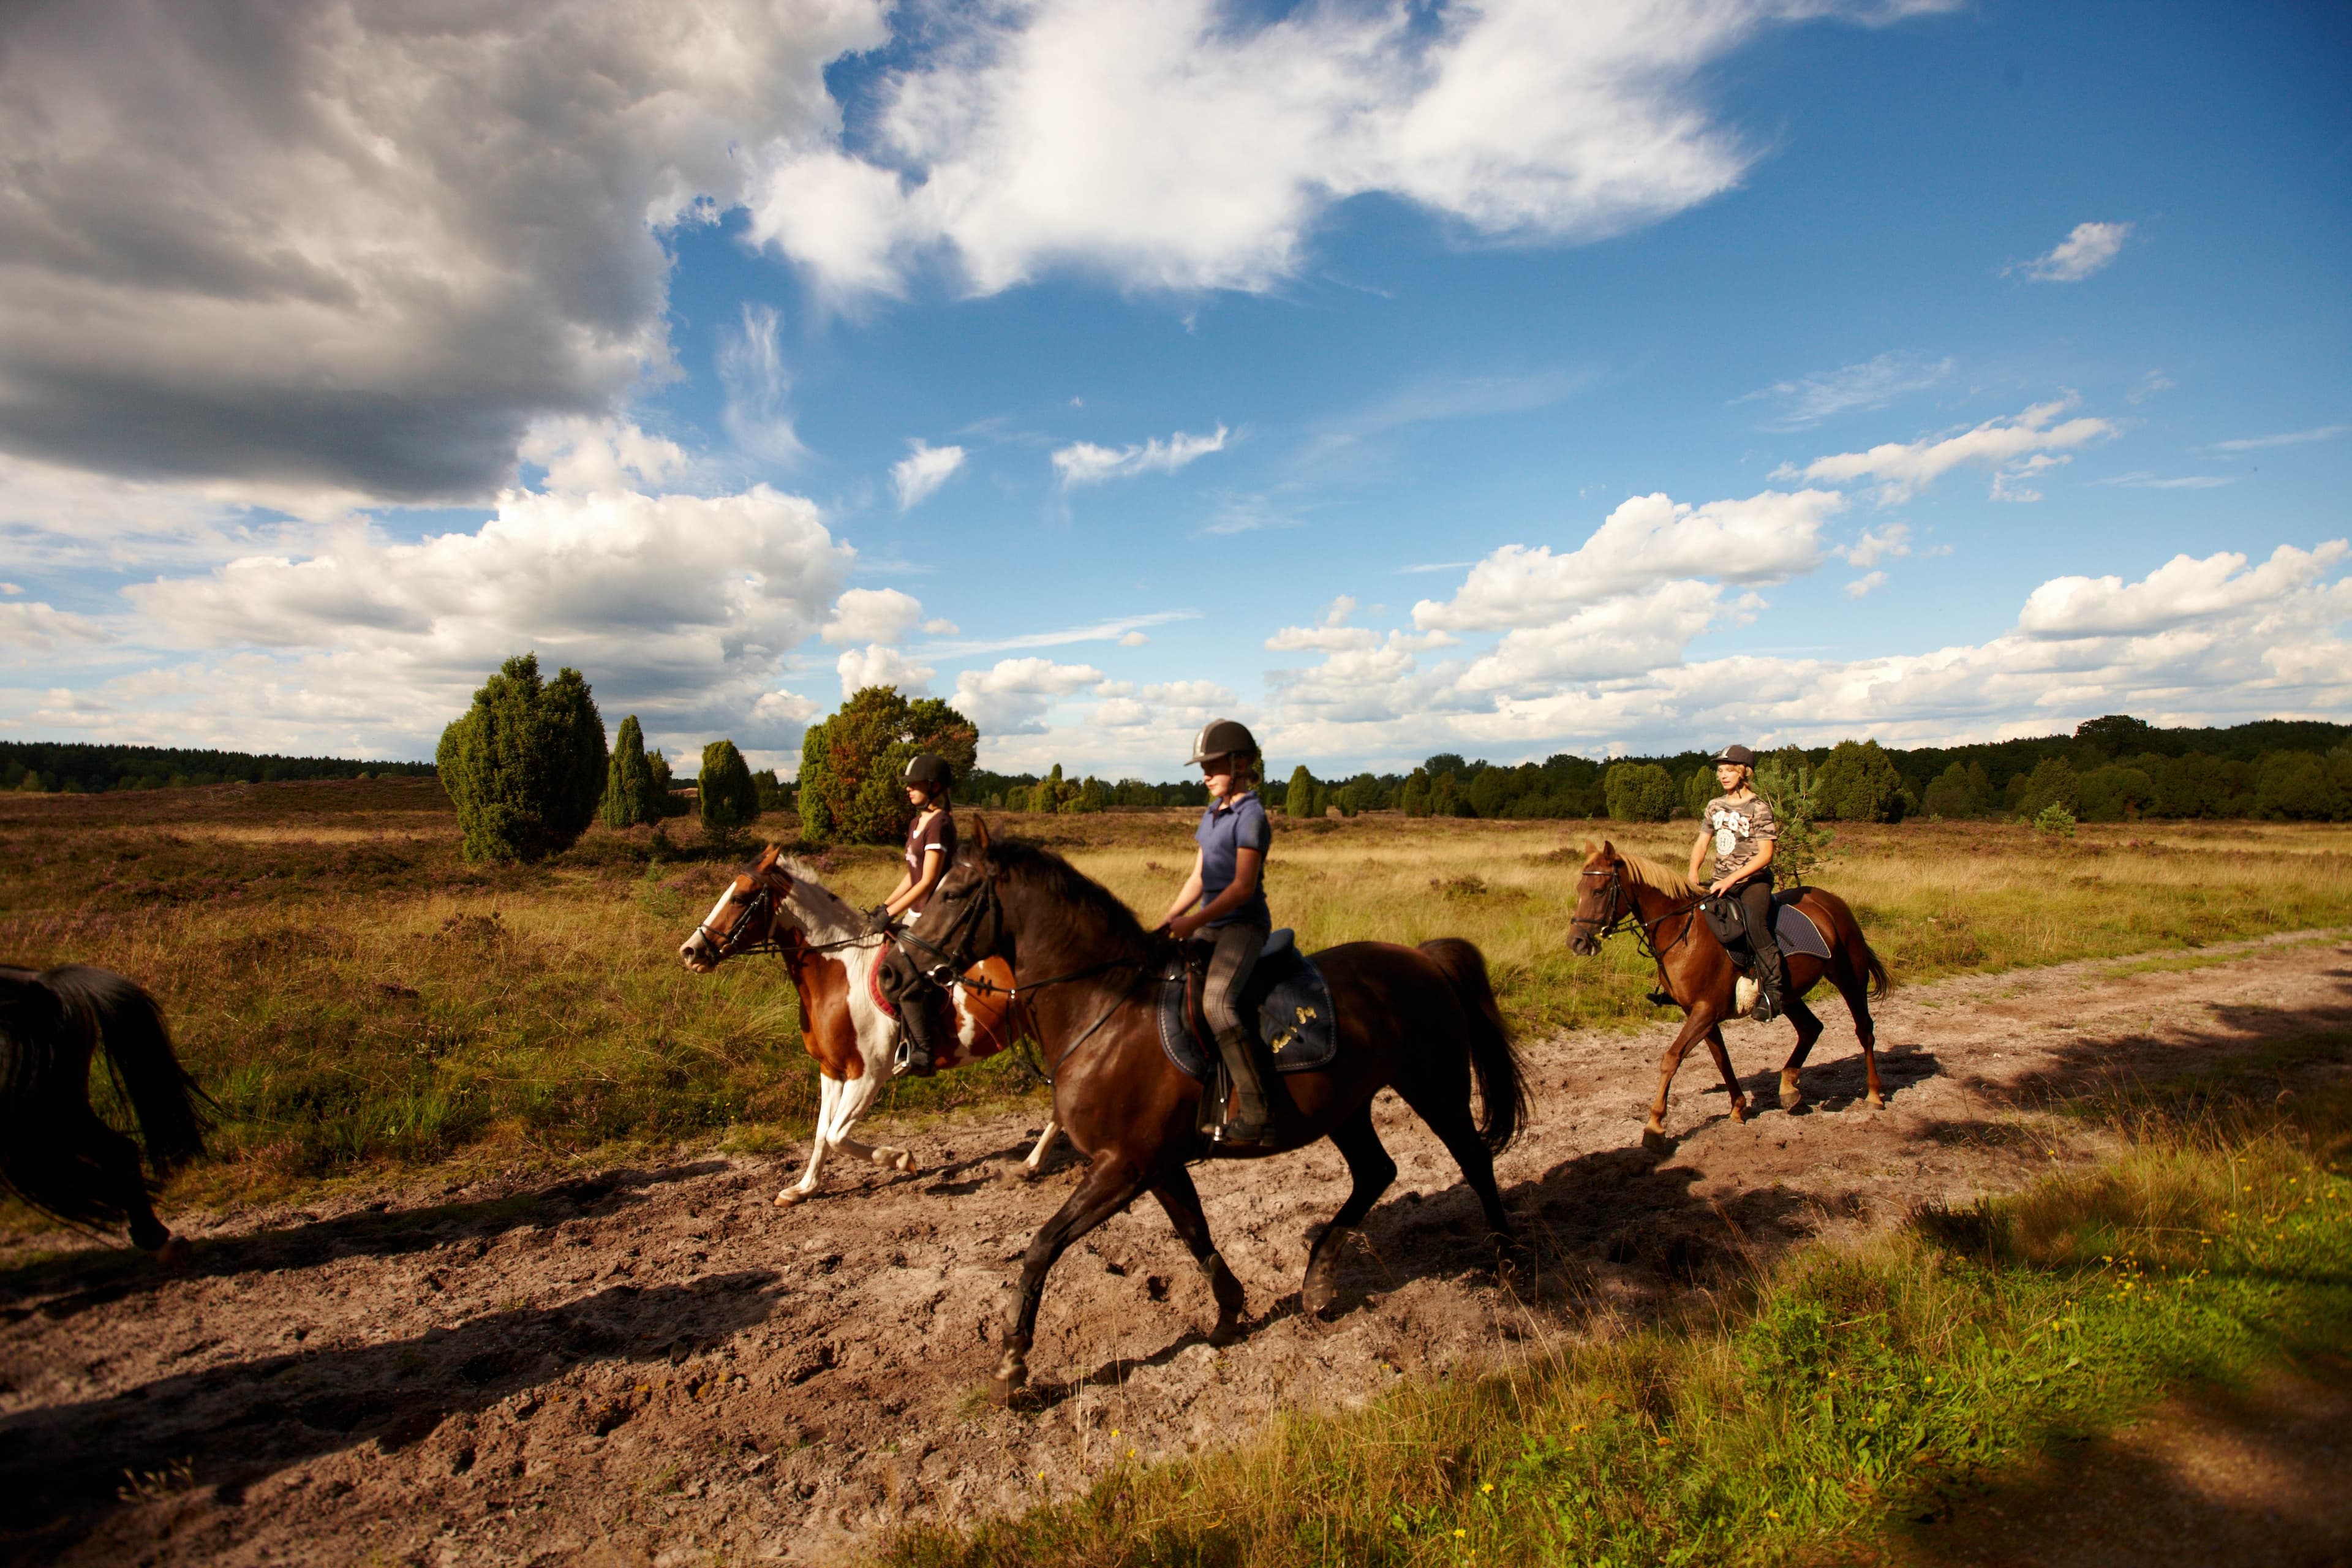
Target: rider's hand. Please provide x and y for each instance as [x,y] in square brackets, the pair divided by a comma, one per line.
[1182,927]
[878,921]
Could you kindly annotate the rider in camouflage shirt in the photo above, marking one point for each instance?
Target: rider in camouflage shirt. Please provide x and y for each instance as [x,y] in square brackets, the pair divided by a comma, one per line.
[1737,825]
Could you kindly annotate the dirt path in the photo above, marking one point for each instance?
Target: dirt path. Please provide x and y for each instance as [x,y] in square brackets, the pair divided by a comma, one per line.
[652,1365]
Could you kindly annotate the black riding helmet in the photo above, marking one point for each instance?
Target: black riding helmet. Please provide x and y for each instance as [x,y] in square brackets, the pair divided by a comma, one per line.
[930,770]
[1740,755]
[1223,738]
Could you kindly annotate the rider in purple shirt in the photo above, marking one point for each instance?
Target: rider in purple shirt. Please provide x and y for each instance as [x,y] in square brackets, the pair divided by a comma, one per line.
[1225,898]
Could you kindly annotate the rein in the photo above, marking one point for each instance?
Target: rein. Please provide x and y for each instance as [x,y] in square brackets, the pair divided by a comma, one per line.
[1624,910]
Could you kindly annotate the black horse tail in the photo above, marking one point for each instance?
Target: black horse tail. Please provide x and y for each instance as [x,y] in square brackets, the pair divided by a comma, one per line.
[130,1030]
[1494,1060]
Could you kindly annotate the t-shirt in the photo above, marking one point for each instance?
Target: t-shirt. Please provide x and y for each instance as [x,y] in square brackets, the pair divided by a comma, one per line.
[1226,828]
[921,836]
[1740,827]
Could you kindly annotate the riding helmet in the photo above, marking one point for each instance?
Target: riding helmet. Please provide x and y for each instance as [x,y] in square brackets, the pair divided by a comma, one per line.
[1221,738]
[924,768]
[1739,754]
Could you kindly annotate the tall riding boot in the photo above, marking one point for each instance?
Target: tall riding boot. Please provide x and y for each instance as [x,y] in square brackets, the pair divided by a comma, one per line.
[1252,1122]
[1771,976]
[915,1016]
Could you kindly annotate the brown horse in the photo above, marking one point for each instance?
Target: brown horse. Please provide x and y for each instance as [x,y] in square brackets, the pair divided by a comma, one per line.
[1420,1020]
[1617,890]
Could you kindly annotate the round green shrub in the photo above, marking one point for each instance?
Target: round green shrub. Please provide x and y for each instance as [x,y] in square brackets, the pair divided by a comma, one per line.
[525,764]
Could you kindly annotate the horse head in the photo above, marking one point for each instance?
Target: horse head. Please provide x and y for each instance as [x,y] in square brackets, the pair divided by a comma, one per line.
[1601,900]
[745,919]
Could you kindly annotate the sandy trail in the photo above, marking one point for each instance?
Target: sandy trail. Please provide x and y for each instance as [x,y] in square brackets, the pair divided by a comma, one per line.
[648,1366]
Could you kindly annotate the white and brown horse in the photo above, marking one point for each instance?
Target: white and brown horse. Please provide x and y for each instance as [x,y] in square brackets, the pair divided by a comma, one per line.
[777,905]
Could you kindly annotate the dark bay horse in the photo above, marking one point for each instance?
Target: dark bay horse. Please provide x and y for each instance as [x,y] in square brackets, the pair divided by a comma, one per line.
[55,1151]
[1618,890]
[1420,1020]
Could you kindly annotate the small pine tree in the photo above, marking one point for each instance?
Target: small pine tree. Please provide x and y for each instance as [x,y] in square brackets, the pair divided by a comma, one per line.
[725,795]
[1698,790]
[1298,796]
[629,781]
[1786,780]
[525,765]
[658,796]
[1414,797]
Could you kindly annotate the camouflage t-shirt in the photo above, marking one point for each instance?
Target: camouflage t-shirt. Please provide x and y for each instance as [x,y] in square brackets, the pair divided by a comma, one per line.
[1739,827]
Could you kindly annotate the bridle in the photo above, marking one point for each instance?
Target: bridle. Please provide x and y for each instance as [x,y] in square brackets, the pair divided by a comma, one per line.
[761,906]
[1622,912]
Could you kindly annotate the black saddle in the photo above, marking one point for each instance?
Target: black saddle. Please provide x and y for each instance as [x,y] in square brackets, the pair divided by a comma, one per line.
[1727,918]
[1295,1017]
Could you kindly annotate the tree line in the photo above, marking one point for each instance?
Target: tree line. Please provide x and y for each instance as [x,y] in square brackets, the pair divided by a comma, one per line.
[77,767]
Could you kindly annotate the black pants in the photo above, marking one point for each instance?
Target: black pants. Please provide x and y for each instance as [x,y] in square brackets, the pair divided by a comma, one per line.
[913,993]
[1755,896]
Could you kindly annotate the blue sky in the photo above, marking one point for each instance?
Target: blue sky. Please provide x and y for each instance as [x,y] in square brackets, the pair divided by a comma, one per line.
[1502,380]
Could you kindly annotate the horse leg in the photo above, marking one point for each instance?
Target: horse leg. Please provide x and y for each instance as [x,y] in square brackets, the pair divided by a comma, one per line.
[1809,1029]
[1446,1109]
[1369,1164]
[1854,986]
[1109,1186]
[1695,1028]
[828,1099]
[123,1187]
[1045,1141]
[1722,1055]
[1182,1201]
[857,1098]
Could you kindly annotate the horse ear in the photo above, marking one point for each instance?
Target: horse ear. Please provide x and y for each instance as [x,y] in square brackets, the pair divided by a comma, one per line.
[766,862]
[1608,850]
[979,832]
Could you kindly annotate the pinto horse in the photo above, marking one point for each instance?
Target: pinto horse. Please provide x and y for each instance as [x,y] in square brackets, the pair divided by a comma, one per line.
[1617,890]
[1420,1020]
[777,905]
[55,1154]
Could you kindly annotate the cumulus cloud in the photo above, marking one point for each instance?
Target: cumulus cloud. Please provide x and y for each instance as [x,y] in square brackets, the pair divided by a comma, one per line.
[39,626]
[363,249]
[1174,146]
[1012,696]
[1874,384]
[1647,539]
[873,615]
[1865,585]
[875,665]
[2087,248]
[917,476]
[2184,589]
[1889,541]
[681,606]
[1083,463]
[2011,447]
[1630,634]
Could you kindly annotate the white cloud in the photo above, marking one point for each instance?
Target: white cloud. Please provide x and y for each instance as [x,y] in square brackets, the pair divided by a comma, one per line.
[1889,541]
[1118,630]
[1630,634]
[917,476]
[358,249]
[2143,480]
[758,411]
[2182,590]
[2087,248]
[1083,463]
[1646,540]
[1176,146]
[1134,639]
[34,624]
[2010,447]
[1864,586]
[875,664]
[1874,384]
[873,615]
[2291,438]
[1012,696]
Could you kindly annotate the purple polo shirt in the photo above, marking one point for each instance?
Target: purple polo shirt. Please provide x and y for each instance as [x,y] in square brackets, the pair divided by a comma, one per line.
[1227,828]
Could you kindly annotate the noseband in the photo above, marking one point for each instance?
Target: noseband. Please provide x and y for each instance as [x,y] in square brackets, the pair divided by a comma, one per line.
[731,944]
[1624,911]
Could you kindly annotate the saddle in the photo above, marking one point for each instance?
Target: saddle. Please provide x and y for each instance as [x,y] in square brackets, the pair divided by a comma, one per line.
[941,1005]
[1791,927]
[1295,1016]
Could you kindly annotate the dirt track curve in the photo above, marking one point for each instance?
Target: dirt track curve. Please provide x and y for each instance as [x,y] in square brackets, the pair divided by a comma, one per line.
[650,1365]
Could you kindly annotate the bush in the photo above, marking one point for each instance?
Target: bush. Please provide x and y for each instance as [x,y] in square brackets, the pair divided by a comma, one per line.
[1641,792]
[849,791]
[725,797]
[2052,782]
[1858,783]
[1698,790]
[2297,785]
[1414,799]
[2116,793]
[2055,820]
[1298,795]
[629,796]
[525,765]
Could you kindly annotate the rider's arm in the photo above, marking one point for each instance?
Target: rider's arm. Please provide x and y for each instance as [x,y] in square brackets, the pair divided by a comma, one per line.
[911,892]
[1698,851]
[1189,896]
[1236,893]
[1748,868]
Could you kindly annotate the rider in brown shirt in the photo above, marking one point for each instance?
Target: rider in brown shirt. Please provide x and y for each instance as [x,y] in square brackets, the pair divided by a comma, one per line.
[931,850]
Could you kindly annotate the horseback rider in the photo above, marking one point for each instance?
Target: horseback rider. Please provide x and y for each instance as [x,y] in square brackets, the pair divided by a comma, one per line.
[1225,896]
[1739,827]
[931,850]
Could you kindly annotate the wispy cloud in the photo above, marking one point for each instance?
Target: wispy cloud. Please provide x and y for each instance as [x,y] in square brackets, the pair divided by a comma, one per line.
[1874,384]
[1083,463]
[2017,450]
[759,388]
[1100,631]
[2084,250]
[2147,481]
[917,476]
[1435,566]
[2291,438]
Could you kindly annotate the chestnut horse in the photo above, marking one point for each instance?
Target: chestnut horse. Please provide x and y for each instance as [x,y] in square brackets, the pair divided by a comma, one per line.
[1617,890]
[778,906]
[1420,1020]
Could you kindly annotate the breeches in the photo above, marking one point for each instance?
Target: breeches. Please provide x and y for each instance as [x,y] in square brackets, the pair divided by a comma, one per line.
[1756,902]
[1229,971]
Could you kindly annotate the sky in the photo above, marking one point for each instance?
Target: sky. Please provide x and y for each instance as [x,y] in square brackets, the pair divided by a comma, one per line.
[1504,379]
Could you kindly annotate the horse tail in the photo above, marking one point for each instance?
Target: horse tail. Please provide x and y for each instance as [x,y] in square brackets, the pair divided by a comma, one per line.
[168,1104]
[1871,960]
[1494,1060]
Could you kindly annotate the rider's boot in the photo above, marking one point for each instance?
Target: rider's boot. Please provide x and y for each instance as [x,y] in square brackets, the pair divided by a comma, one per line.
[1770,980]
[1252,1123]
[915,1018]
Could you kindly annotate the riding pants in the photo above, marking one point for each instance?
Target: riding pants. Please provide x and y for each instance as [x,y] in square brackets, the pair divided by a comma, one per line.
[1235,955]
[1755,896]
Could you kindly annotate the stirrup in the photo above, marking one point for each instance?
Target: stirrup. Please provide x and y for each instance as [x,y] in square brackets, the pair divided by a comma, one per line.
[1234,1133]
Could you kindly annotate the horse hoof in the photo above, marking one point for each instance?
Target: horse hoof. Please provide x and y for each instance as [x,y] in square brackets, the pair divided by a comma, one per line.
[175,1253]
[1739,1110]
[1655,1142]
[1001,1390]
[1877,1102]
[1228,1331]
[904,1162]
[789,1196]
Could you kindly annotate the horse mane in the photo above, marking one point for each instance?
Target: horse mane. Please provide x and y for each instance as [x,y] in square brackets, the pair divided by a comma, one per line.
[1649,873]
[811,893]
[1068,886]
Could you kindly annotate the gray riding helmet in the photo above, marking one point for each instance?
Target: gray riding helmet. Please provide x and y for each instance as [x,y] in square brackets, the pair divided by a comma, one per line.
[1223,738]
[1739,754]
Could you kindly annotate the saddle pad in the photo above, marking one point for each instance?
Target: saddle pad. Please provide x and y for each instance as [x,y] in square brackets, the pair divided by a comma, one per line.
[1790,924]
[1797,932]
[1295,1017]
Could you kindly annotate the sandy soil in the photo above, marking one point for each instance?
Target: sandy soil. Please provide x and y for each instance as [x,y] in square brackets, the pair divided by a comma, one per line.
[648,1366]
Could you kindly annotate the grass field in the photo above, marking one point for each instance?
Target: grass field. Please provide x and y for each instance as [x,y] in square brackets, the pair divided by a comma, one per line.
[357,999]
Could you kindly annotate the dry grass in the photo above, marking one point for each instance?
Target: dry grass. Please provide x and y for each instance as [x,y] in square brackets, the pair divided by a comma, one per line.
[356,995]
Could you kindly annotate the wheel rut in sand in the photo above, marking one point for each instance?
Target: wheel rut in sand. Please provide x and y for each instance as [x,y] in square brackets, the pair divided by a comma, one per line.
[651,1361]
